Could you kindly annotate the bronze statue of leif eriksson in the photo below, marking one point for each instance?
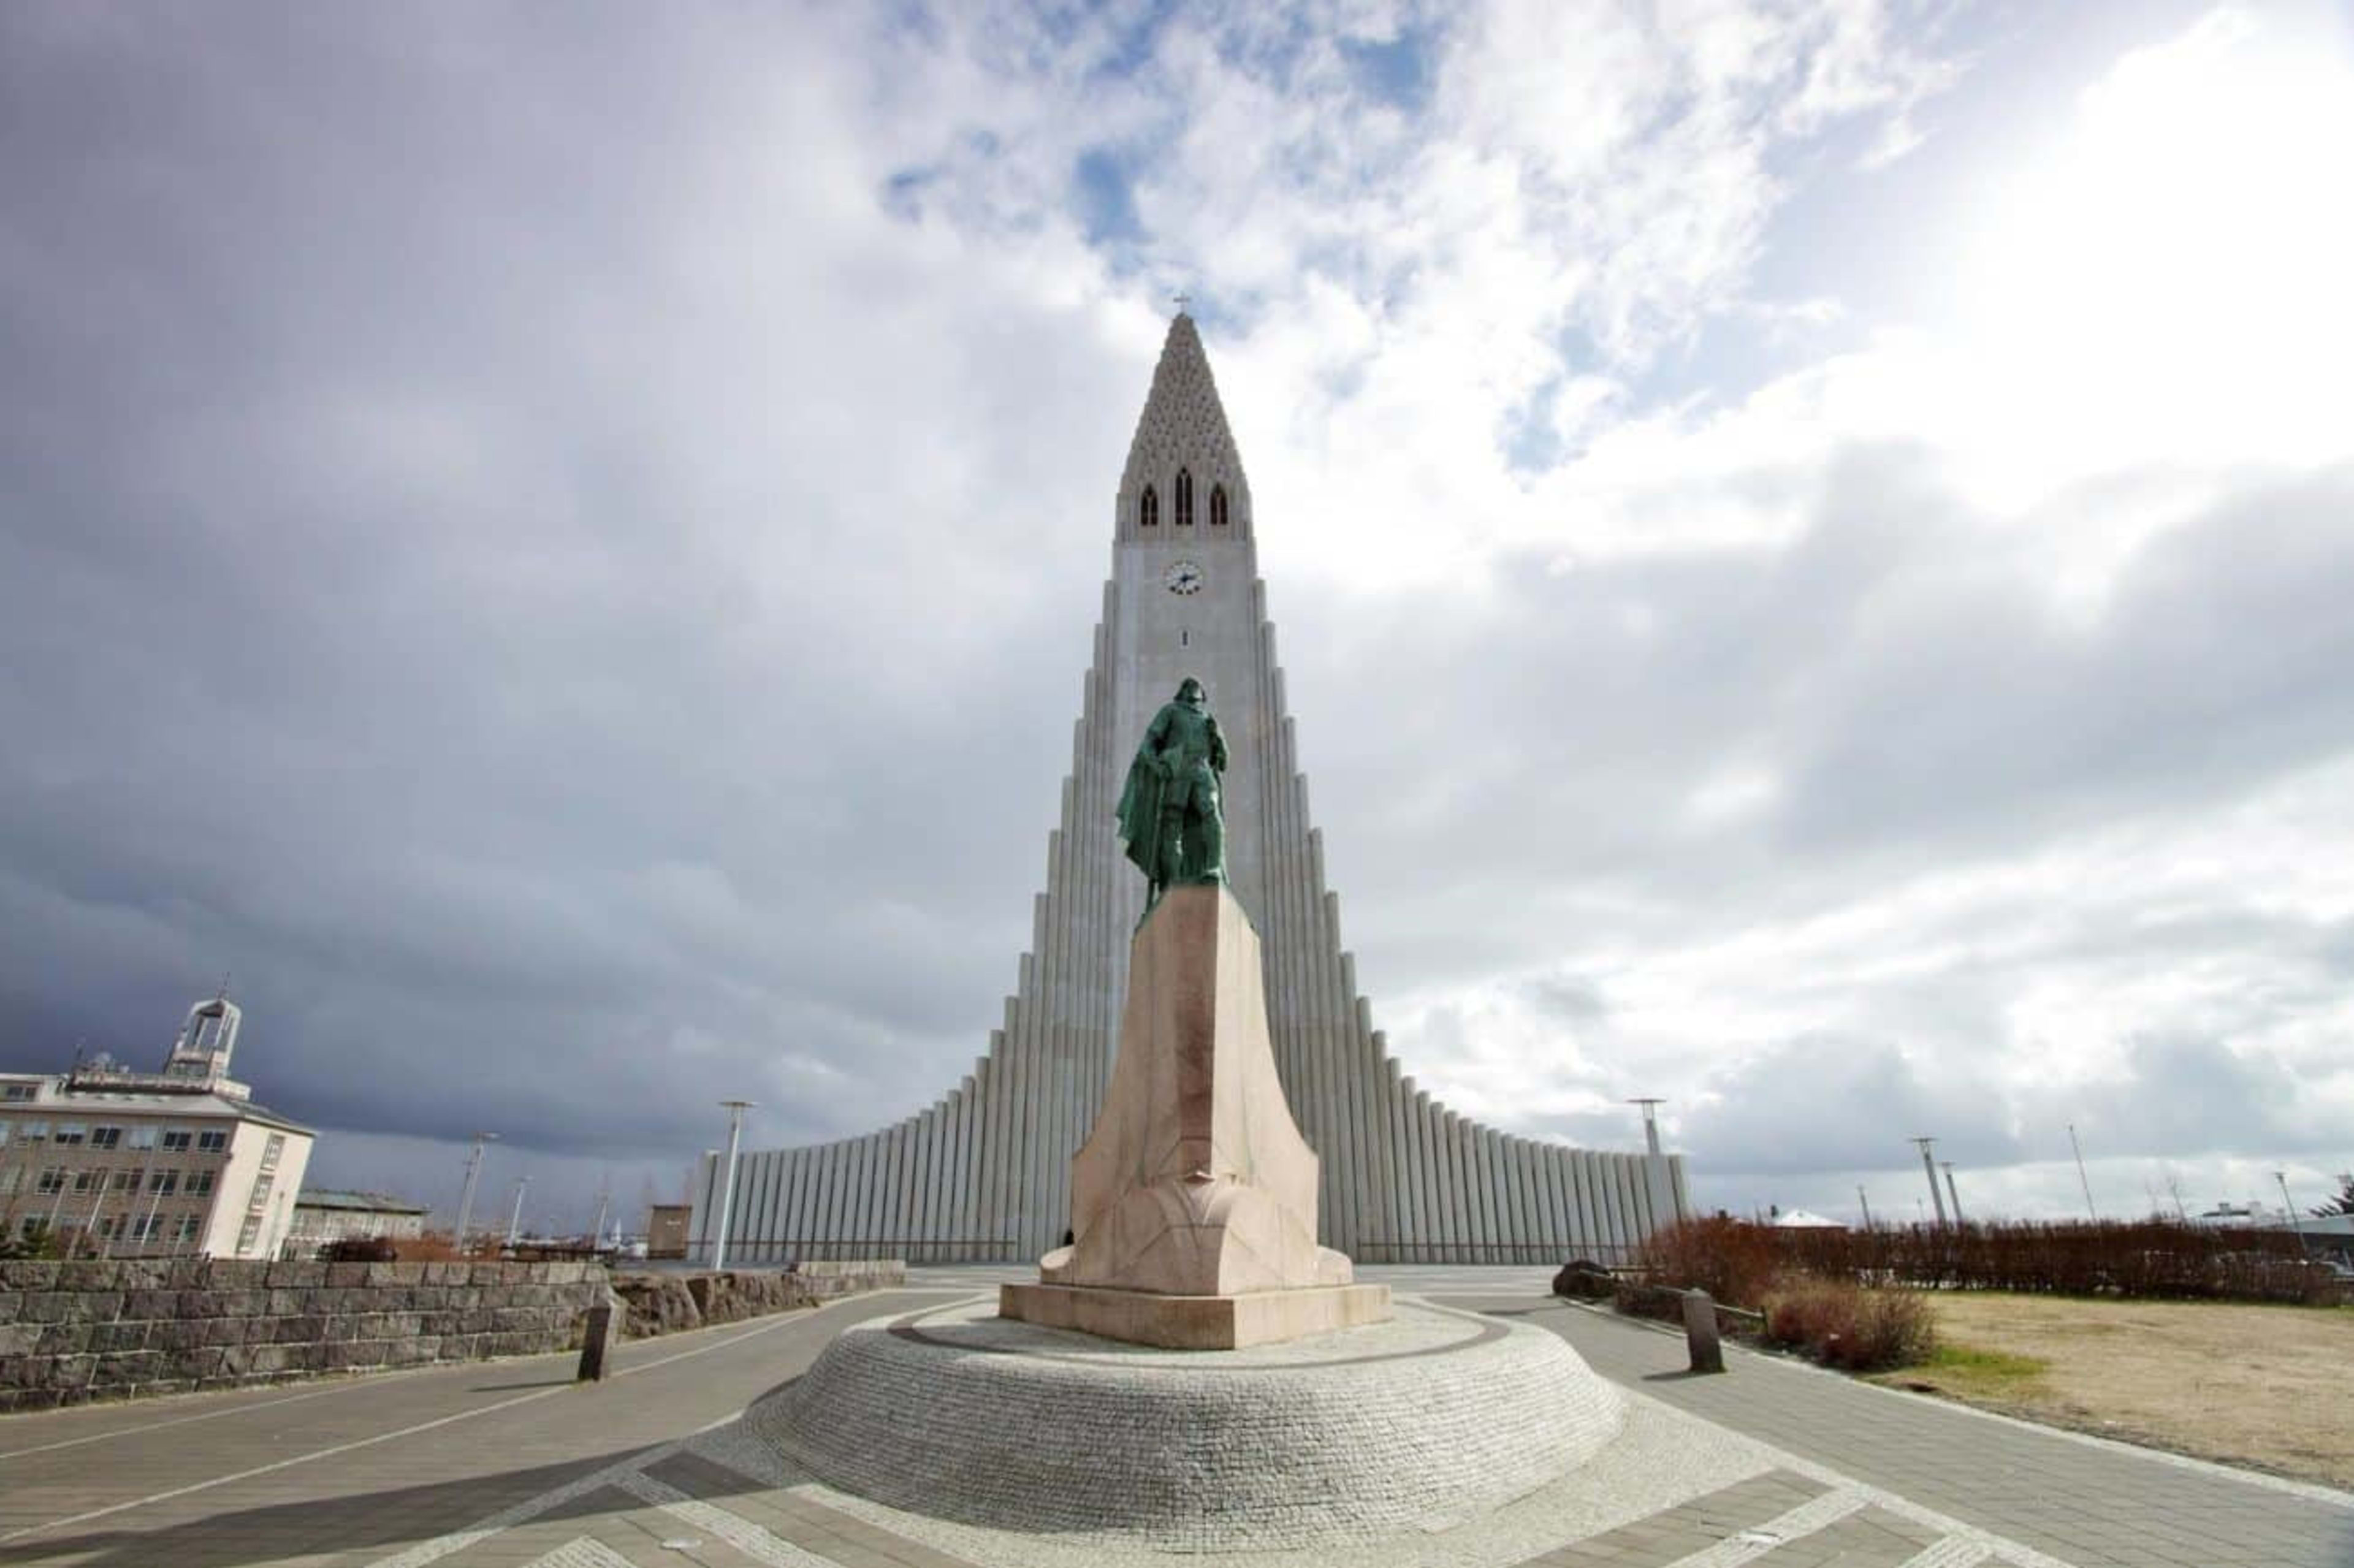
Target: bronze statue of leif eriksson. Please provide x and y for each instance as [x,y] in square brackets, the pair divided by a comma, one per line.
[1170,814]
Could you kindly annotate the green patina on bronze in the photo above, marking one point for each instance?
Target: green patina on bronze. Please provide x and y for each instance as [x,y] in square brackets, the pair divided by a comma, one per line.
[1169,815]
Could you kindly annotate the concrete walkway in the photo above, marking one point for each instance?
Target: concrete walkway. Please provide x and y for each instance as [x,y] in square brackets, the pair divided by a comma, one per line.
[2087,1502]
[511,1465]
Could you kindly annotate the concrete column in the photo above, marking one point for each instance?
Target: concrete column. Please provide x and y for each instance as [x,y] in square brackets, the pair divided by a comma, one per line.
[959,1210]
[989,1141]
[1409,1166]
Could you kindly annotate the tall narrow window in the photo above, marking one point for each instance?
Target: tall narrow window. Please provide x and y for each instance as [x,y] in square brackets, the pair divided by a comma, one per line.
[1185,498]
[1148,509]
[1217,506]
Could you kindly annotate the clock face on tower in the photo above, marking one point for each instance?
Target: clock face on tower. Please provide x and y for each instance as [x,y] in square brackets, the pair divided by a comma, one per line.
[1183,578]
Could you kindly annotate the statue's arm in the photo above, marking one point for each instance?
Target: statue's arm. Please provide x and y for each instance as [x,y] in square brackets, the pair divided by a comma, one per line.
[1217,749]
[1155,735]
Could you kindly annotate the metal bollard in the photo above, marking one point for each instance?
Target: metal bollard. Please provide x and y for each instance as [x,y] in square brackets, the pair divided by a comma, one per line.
[604,1331]
[1700,1333]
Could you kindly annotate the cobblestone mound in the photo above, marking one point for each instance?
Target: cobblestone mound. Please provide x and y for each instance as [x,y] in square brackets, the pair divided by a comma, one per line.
[1426,1421]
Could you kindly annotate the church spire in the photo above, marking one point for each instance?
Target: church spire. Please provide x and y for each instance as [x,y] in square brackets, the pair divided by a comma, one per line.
[1184,479]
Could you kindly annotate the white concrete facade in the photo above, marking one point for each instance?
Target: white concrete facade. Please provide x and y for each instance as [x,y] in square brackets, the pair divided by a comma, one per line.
[179,1163]
[985,1172]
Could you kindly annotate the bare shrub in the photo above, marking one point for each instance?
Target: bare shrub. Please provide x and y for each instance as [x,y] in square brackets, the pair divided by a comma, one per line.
[2150,1258]
[1734,1261]
[1842,1324]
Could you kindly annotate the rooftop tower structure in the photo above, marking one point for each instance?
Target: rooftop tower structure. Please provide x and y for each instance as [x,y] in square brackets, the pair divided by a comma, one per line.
[984,1172]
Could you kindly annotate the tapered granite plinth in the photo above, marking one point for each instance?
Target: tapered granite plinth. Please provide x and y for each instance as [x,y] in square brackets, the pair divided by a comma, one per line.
[1197,1322]
[1193,1200]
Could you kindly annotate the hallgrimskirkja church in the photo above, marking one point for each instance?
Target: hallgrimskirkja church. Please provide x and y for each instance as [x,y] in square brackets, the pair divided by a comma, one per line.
[983,1174]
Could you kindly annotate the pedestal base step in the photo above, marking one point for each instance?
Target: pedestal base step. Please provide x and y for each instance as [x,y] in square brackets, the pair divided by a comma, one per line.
[1197,1322]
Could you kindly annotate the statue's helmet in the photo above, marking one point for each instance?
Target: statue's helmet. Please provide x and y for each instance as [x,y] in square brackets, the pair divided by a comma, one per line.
[1189,690]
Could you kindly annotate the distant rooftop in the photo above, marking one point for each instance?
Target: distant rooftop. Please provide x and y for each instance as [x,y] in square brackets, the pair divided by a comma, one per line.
[375,1203]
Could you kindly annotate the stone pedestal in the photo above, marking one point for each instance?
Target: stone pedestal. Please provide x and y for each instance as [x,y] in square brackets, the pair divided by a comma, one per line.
[1193,1202]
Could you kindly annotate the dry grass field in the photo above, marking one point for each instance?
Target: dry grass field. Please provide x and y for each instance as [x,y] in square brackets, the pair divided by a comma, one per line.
[2263,1386]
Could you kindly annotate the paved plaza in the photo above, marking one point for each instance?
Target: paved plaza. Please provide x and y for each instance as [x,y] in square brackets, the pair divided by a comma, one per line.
[511,1463]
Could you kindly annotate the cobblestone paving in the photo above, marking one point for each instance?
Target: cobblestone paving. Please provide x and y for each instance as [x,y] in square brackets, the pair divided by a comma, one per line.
[511,1465]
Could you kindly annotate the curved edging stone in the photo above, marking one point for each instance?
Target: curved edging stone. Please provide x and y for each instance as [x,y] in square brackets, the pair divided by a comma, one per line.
[1436,1417]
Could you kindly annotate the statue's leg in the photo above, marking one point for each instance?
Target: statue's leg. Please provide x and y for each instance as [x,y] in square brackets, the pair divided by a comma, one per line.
[1206,843]
[1173,837]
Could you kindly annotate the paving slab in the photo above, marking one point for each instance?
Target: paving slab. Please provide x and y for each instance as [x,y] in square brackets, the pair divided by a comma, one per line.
[2082,1500]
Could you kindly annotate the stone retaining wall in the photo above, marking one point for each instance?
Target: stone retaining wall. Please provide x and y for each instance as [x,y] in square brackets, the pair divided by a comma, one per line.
[76,1331]
[72,1331]
[669,1303]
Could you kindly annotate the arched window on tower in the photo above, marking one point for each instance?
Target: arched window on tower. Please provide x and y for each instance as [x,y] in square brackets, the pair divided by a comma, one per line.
[1185,498]
[1148,509]
[1217,506]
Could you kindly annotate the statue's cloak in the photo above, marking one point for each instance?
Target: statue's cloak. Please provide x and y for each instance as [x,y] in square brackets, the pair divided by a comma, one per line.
[1139,812]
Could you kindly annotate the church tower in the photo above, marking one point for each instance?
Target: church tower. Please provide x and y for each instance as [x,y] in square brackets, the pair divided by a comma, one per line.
[984,1173]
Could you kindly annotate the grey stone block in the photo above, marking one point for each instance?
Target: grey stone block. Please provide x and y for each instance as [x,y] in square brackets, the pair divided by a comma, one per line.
[130,1336]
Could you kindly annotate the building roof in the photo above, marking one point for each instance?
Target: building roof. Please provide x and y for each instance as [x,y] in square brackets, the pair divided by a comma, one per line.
[1185,425]
[374,1202]
[195,1103]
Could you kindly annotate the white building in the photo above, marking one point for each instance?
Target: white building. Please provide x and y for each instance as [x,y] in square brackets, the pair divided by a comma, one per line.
[179,1163]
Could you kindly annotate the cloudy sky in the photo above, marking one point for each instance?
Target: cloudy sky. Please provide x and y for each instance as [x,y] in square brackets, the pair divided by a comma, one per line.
[1812,543]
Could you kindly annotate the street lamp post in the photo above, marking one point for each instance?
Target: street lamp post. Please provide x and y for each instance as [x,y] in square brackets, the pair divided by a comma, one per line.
[1937,1199]
[2083,1181]
[2298,1225]
[736,1109]
[1650,1123]
[1951,1190]
[514,1220]
[466,1199]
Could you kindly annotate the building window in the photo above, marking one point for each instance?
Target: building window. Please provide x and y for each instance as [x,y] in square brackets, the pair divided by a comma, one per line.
[200,1183]
[1217,506]
[73,1132]
[189,1225]
[270,1151]
[249,1233]
[1185,498]
[32,1132]
[86,1179]
[126,1180]
[176,1139]
[11,1176]
[109,1227]
[1148,509]
[105,1136]
[30,1224]
[141,1138]
[164,1181]
[20,1091]
[261,1193]
[211,1142]
[53,1179]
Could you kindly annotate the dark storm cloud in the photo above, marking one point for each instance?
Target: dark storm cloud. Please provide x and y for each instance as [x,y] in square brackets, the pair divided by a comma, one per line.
[474,589]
